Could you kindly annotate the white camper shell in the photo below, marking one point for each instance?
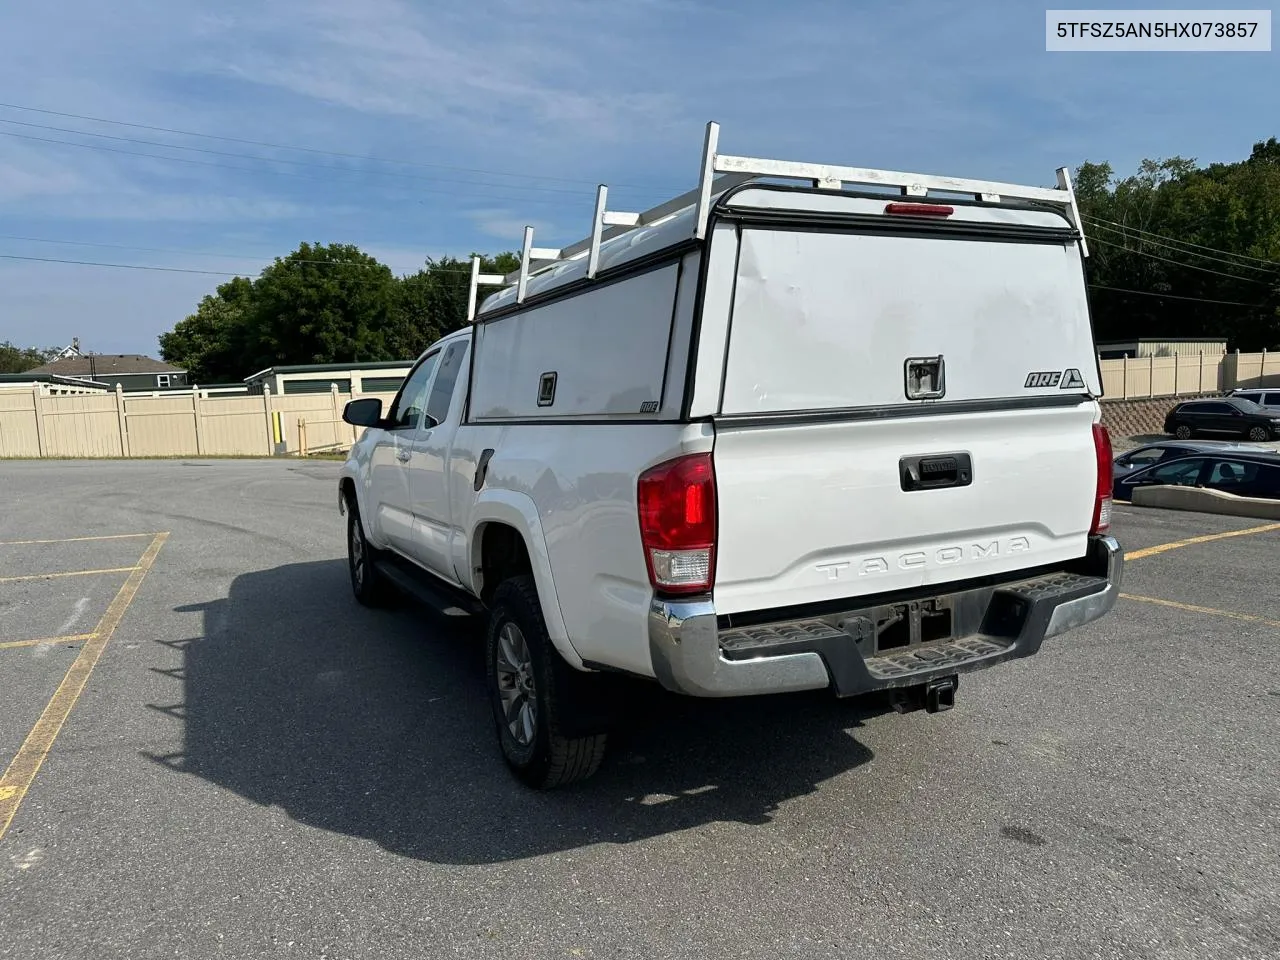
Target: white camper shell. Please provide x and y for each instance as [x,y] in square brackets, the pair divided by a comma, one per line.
[886,384]
[797,328]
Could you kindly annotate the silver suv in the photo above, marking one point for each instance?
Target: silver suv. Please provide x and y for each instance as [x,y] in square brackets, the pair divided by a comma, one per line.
[1263,397]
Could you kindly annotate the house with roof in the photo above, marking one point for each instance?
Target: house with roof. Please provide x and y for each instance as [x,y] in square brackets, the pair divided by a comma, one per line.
[131,371]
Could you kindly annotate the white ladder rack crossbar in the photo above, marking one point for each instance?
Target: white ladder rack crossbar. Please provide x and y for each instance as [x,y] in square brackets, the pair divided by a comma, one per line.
[478,278]
[721,172]
[614,223]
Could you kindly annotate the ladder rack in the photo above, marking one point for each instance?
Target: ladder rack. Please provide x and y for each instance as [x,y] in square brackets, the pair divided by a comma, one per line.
[721,172]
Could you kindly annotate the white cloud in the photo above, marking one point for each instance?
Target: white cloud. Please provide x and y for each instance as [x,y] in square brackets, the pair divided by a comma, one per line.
[585,90]
[506,225]
[384,56]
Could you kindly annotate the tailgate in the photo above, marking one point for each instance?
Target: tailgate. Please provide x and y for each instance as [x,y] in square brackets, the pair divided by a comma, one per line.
[837,439]
[818,512]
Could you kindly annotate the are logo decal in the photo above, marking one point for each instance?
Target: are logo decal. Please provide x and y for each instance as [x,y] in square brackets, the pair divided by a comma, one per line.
[1043,378]
[1068,379]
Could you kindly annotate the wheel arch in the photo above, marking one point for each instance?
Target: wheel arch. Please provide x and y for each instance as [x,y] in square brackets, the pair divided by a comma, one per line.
[497,518]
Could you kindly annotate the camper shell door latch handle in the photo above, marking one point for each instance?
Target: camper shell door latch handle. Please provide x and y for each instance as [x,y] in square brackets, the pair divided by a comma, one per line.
[925,378]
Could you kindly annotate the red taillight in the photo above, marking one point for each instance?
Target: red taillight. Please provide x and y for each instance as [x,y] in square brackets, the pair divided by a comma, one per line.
[677,501]
[919,209]
[1102,493]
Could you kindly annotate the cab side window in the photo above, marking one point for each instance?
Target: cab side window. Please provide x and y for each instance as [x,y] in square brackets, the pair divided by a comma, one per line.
[406,409]
[442,390]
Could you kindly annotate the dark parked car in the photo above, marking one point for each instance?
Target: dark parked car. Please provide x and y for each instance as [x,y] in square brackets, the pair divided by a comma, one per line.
[1231,416]
[1164,450]
[1244,474]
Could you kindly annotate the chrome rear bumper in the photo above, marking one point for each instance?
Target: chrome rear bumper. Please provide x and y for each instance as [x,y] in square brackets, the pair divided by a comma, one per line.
[689,652]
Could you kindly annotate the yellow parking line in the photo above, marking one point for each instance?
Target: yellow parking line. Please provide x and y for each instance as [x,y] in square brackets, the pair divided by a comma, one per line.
[66,573]
[46,641]
[1161,548]
[114,536]
[1193,608]
[22,771]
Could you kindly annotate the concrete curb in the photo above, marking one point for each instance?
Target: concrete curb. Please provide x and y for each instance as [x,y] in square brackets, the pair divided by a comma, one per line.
[1206,501]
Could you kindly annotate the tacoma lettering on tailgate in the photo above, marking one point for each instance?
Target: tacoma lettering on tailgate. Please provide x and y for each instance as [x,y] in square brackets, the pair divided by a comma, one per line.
[917,559]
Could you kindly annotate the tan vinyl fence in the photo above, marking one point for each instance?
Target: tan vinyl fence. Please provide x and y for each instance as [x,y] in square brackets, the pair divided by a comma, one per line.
[34,423]
[189,424]
[1188,374]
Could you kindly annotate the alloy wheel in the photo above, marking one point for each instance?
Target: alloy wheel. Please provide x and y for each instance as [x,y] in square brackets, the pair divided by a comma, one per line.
[516,686]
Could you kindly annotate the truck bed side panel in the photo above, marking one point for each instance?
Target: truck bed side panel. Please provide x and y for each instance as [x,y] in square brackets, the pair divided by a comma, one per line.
[583,482]
[608,348]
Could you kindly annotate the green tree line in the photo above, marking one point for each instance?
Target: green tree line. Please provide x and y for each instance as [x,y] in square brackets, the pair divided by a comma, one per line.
[1176,250]
[322,304]
[1179,250]
[15,359]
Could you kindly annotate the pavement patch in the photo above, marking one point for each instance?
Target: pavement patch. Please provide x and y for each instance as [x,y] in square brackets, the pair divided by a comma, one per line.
[1203,538]
[68,556]
[332,771]
[1195,608]
[26,764]
[46,641]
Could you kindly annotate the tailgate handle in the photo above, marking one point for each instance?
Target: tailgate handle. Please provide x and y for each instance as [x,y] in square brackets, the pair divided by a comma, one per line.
[936,471]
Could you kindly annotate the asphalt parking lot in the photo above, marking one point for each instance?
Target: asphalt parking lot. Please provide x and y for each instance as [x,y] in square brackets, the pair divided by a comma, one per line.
[217,753]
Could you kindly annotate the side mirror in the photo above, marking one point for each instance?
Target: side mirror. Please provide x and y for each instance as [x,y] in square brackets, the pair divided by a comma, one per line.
[365,412]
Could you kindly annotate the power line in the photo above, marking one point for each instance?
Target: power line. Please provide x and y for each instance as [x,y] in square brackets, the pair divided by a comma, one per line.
[1180,263]
[199,253]
[459,271]
[296,163]
[278,173]
[279,146]
[1129,233]
[1159,236]
[121,266]
[123,246]
[1171,296]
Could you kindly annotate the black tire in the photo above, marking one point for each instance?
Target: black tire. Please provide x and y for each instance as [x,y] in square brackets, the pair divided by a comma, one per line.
[537,749]
[369,587]
[1183,432]
[1259,434]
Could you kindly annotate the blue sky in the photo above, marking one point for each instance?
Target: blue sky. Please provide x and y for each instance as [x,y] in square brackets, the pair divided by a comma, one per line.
[510,111]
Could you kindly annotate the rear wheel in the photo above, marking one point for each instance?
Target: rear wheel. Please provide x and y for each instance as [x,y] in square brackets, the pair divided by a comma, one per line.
[367,584]
[1259,434]
[529,690]
[1183,432]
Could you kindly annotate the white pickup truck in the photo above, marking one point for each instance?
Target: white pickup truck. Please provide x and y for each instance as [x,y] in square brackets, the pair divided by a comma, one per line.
[804,427]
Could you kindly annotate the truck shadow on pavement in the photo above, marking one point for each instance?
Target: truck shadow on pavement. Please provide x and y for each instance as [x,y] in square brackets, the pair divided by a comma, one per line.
[375,724]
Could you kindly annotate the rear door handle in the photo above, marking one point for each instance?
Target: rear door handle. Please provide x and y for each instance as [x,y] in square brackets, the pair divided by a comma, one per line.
[935,471]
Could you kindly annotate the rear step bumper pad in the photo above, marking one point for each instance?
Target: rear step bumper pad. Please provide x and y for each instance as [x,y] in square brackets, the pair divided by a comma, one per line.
[688,648]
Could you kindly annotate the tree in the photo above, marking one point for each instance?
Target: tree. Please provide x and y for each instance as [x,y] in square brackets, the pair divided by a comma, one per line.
[1208,239]
[21,359]
[1267,151]
[433,301]
[321,304]
[210,343]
